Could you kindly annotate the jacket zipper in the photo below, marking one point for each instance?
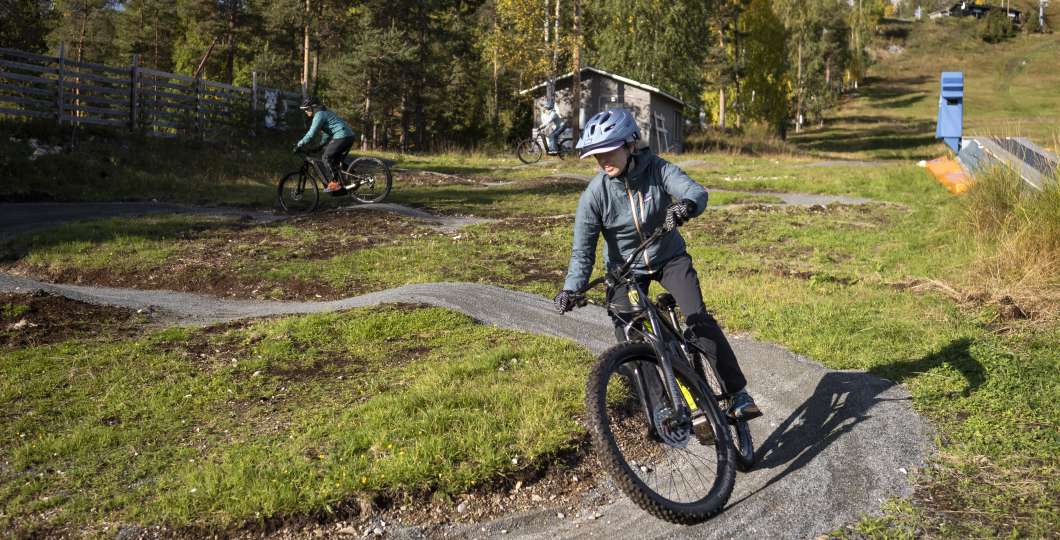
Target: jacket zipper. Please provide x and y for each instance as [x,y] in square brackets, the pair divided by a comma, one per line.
[633,210]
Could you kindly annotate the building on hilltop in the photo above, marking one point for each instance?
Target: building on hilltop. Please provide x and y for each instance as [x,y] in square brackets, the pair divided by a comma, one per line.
[660,115]
[973,9]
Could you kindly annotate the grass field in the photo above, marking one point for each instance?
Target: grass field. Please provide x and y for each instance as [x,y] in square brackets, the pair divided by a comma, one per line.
[217,427]
[166,426]
[1010,89]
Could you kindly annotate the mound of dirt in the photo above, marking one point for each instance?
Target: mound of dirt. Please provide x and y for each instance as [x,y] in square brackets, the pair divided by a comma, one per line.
[39,318]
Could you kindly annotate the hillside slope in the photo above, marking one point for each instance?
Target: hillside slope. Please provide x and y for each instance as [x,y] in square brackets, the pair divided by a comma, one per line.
[1011,88]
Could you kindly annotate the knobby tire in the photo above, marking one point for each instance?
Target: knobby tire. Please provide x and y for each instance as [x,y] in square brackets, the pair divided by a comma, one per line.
[615,463]
[305,191]
[381,179]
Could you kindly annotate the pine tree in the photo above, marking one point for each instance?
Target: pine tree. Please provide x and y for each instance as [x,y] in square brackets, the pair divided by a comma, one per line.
[25,24]
[765,86]
[87,27]
[658,42]
[149,28]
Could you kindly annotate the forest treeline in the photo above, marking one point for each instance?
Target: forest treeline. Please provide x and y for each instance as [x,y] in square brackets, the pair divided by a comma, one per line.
[422,74]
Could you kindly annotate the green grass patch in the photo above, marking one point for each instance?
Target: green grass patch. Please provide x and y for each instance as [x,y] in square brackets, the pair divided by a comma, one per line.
[11,311]
[295,416]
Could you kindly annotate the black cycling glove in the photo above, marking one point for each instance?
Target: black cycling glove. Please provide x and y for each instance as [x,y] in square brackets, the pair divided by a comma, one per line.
[564,301]
[678,214]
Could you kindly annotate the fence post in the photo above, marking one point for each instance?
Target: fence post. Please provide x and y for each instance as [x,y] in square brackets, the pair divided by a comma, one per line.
[134,90]
[200,120]
[59,84]
[253,99]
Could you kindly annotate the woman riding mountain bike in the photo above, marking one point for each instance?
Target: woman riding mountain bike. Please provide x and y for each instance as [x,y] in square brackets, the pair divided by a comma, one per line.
[337,138]
[635,193]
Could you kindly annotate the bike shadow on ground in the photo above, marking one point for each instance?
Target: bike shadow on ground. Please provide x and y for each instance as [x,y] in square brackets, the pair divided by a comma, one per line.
[842,400]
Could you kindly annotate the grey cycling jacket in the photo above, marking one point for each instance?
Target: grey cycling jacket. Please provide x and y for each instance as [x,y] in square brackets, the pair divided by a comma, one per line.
[627,209]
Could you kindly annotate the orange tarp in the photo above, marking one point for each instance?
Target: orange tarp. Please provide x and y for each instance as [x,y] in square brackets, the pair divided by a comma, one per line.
[950,174]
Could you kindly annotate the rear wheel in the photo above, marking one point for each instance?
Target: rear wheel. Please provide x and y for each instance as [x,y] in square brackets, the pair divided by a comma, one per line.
[529,151]
[739,431]
[299,192]
[744,445]
[674,467]
[368,179]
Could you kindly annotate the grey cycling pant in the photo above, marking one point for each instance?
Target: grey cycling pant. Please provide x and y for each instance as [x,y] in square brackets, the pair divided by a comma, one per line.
[679,277]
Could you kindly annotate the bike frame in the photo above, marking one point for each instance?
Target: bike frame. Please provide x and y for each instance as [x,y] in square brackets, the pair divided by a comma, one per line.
[560,150]
[663,336]
[319,165]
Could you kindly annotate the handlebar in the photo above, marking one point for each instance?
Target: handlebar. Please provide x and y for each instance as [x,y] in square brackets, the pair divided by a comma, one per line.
[305,150]
[618,273]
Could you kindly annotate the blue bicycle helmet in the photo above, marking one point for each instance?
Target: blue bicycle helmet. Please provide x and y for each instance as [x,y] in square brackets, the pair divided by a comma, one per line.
[606,131]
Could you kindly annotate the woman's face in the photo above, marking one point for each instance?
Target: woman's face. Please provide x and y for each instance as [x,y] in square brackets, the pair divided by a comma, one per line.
[309,112]
[613,162]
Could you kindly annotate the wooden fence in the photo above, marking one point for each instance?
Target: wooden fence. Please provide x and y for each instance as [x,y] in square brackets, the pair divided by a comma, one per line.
[132,97]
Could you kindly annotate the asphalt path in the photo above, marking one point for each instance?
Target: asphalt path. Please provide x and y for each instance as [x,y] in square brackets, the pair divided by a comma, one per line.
[833,445]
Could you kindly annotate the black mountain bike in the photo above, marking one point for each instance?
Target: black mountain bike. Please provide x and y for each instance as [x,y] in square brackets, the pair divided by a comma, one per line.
[365,179]
[531,150]
[655,410]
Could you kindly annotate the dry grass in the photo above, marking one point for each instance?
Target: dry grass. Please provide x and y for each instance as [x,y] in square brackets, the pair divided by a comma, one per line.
[754,139]
[1016,236]
[978,476]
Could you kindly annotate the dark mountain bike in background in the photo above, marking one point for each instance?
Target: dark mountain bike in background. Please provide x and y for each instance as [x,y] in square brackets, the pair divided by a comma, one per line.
[364,179]
[532,149]
[656,407]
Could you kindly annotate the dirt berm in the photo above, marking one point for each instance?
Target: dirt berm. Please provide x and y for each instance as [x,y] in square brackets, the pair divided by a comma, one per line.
[833,445]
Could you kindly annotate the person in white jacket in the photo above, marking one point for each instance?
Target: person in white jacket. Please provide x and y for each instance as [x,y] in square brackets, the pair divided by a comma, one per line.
[552,118]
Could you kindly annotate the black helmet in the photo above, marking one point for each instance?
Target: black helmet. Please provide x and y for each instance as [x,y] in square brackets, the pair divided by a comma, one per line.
[310,102]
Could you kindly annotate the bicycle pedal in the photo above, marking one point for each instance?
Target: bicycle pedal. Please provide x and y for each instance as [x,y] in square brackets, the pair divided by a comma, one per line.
[701,427]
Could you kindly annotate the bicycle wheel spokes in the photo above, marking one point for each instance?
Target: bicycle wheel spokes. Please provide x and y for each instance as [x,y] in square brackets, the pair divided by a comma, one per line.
[529,151]
[664,455]
[739,431]
[368,179]
[298,192]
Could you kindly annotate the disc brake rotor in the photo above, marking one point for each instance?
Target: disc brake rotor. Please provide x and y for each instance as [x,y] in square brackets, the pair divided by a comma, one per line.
[672,430]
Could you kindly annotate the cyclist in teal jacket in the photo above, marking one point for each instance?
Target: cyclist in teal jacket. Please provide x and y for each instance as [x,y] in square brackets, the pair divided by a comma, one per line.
[337,140]
[635,193]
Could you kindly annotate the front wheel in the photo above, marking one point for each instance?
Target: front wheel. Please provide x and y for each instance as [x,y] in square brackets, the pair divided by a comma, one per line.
[677,466]
[369,180]
[298,192]
[529,151]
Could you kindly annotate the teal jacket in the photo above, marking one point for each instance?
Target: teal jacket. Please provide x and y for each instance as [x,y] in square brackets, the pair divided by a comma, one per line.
[626,210]
[332,126]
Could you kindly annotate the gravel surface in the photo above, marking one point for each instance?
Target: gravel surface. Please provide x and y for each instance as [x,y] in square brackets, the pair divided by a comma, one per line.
[833,445]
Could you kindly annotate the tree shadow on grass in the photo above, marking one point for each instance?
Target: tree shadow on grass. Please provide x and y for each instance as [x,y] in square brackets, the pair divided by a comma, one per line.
[909,136]
[843,399]
[148,227]
[479,200]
